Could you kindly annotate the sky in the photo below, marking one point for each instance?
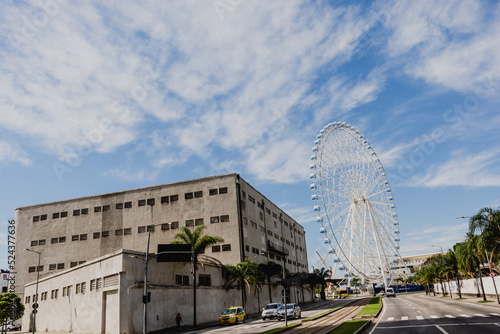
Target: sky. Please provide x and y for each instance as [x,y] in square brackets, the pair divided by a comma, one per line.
[98,97]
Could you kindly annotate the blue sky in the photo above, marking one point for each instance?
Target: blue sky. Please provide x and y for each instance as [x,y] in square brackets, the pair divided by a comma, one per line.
[101,97]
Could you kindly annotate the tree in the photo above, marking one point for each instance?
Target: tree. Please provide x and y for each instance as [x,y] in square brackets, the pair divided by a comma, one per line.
[198,245]
[244,275]
[11,307]
[451,266]
[322,275]
[487,222]
[270,270]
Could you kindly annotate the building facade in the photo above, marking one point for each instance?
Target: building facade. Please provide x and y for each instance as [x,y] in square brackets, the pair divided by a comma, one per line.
[70,233]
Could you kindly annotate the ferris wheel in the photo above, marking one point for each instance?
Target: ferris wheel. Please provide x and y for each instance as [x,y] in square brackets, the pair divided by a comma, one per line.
[354,205]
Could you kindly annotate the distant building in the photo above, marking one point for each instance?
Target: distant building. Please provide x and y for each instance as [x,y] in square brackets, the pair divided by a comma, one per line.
[80,240]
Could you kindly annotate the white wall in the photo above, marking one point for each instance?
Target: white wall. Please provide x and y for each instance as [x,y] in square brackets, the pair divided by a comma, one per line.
[470,286]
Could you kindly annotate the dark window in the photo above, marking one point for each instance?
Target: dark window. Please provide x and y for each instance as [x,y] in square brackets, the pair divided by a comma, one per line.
[62,239]
[83,236]
[151,201]
[224,219]
[34,243]
[119,232]
[75,237]
[243,194]
[97,235]
[127,231]
[247,248]
[164,199]
[215,248]
[128,205]
[106,208]
[151,228]
[141,229]
[213,192]
[198,221]
[73,264]
[81,262]
[36,219]
[174,198]
[41,242]
[174,225]
[204,280]
[198,194]
[223,190]
[271,256]
[52,266]
[76,212]
[188,195]
[275,215]
[60,266]
[43,217]
[55,215]
[64,214]
[54,240]
[214,220]
[119,206]
[165,227]
[105,234]
[226,248]
[85,211]
[251,199]
[141,202]
[182,280]
[189,222]
[31,269]
[97,209]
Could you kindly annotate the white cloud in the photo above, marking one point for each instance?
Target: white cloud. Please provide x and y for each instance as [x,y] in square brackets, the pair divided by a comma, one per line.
[420,242]
[12,153]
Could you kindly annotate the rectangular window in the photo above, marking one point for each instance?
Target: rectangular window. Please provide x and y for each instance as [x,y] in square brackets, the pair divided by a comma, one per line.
[251,199]
[60,266]
[182,280]
[83,236]
[243,205]
[174,198]
[275,215]
[224,219]
[64,214]
[97,235]
[247,248]
[34,243]
[119,232]
[245,221]
[77,288]
[261,215]
[92,284]
[198,194]
[188,196]
[85,211]
[54,240]
[36,219]
[119,206]
[151,201]
[52,266]
[165,227]
[271,256]
[84,286]
[43,217]
[73,264]
[41,242]
[223,190]
[97,209]
[189,223]
[268,211]
[213,192]
[164,199]
[243,194]
[128,205]
[226,247]
[151,228]
[105,234]
[214,220]
[198,221]
[62,239]
[127,231]
[106,208]
[55,215]
[64,291]
[98,284]
[69,290]
[204,280]
[141,229]
[174,225]
[76,212]
[75,237]
[215,248]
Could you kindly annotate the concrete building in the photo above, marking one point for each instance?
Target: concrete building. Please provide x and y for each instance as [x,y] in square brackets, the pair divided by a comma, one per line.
[86,232]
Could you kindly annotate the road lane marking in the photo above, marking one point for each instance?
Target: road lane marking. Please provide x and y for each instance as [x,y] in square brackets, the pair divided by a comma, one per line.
[434,317]
[419,317]
[449,316]
[482,315]
[390,319]
[404,318]
[441,329]
[465,315]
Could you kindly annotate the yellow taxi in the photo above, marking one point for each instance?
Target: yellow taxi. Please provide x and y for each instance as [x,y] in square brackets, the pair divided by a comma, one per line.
[232,315]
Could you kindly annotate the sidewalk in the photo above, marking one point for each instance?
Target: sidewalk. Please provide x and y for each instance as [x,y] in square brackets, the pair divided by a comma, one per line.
[473,300]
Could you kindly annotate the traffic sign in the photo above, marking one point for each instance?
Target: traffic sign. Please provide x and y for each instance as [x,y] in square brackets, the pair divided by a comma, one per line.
[492,274]
[35,305]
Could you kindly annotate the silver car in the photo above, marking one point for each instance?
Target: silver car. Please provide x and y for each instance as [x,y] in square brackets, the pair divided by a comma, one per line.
[270,311]
[292,311]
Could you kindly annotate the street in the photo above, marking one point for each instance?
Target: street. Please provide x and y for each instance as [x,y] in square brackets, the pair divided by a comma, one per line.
[418,313]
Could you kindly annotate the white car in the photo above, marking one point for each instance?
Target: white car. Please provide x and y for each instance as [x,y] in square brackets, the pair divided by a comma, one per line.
[270,311]
[390,292]
[10,326]
[292,311]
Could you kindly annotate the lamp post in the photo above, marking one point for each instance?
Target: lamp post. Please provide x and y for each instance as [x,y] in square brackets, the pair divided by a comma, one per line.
[35,302]
[439,247]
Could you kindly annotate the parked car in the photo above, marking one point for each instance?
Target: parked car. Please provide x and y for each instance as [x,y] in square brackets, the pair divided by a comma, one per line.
[232,315]
[270,311]
[292,311]
[10,326]
[390,292]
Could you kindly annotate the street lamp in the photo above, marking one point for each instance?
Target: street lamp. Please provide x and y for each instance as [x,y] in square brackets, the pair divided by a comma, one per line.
[439,247]
[35,302]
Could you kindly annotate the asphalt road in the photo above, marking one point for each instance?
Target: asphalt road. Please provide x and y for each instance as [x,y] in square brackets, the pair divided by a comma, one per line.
[417,313]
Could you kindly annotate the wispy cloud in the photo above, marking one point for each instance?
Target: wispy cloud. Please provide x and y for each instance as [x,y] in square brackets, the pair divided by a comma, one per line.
[12,153]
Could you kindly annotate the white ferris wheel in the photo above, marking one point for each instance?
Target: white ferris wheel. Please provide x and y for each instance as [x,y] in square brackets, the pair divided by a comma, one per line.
[354,205]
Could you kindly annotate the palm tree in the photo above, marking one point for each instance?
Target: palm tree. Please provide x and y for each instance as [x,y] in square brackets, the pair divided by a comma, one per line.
[270,270]
[487,221]
[322,275]
[451,264]
[244,275]
[198,245]
[474,248]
